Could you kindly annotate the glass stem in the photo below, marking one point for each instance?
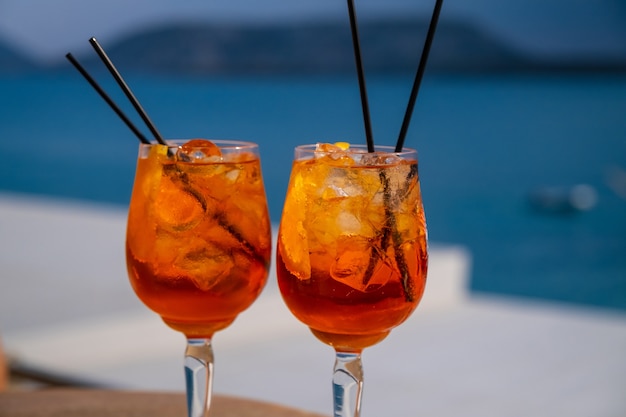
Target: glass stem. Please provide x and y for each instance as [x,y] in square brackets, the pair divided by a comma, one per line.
[198,376]
[347,384]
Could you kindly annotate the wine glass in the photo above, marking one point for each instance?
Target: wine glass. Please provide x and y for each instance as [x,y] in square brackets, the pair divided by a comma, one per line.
[198,243]
[352,251]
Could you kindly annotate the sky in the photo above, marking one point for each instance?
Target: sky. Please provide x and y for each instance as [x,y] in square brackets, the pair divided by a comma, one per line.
[47,29]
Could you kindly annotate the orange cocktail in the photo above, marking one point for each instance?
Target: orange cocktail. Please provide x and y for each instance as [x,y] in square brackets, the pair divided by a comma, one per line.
[198,244]
[352,246]
[198,239]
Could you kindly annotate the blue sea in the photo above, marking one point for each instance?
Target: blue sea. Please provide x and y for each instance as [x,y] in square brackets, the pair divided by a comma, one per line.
[485,143]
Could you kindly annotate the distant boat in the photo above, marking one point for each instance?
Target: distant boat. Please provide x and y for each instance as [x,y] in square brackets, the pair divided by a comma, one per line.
[559,200]
[616,180]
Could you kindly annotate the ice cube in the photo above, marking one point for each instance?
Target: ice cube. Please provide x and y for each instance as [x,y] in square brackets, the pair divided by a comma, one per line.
[206,265]
[177,206]
[358,264]
[338,152]
[377,159]
[348,223]
[337,147]
[199,150]
[232,175]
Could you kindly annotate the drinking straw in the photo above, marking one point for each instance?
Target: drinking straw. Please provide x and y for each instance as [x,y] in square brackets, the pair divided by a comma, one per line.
[419,75]
[106,98]
[361,75]
[127,90]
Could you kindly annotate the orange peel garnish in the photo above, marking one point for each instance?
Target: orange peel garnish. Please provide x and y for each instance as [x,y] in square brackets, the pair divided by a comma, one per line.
[293,240]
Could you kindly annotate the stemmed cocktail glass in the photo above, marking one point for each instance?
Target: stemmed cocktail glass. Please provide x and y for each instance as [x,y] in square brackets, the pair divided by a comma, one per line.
[352,251]
[198,238]
[198,243]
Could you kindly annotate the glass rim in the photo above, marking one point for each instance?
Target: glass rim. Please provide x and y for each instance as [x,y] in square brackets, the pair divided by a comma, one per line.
[232,144]
[311,148]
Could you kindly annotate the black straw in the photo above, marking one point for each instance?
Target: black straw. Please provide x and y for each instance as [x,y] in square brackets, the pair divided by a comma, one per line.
[419,75]
[106,98]
[127,90]
[361,74]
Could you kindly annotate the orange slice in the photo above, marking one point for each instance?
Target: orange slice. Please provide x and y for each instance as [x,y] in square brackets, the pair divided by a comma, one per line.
[293,241]
[207,147]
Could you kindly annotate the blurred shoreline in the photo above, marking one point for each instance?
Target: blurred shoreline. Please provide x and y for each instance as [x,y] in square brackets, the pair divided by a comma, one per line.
[391,45]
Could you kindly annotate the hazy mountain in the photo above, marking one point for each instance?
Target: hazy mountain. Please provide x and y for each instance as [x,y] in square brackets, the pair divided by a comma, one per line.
[388,45]
[13,61]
